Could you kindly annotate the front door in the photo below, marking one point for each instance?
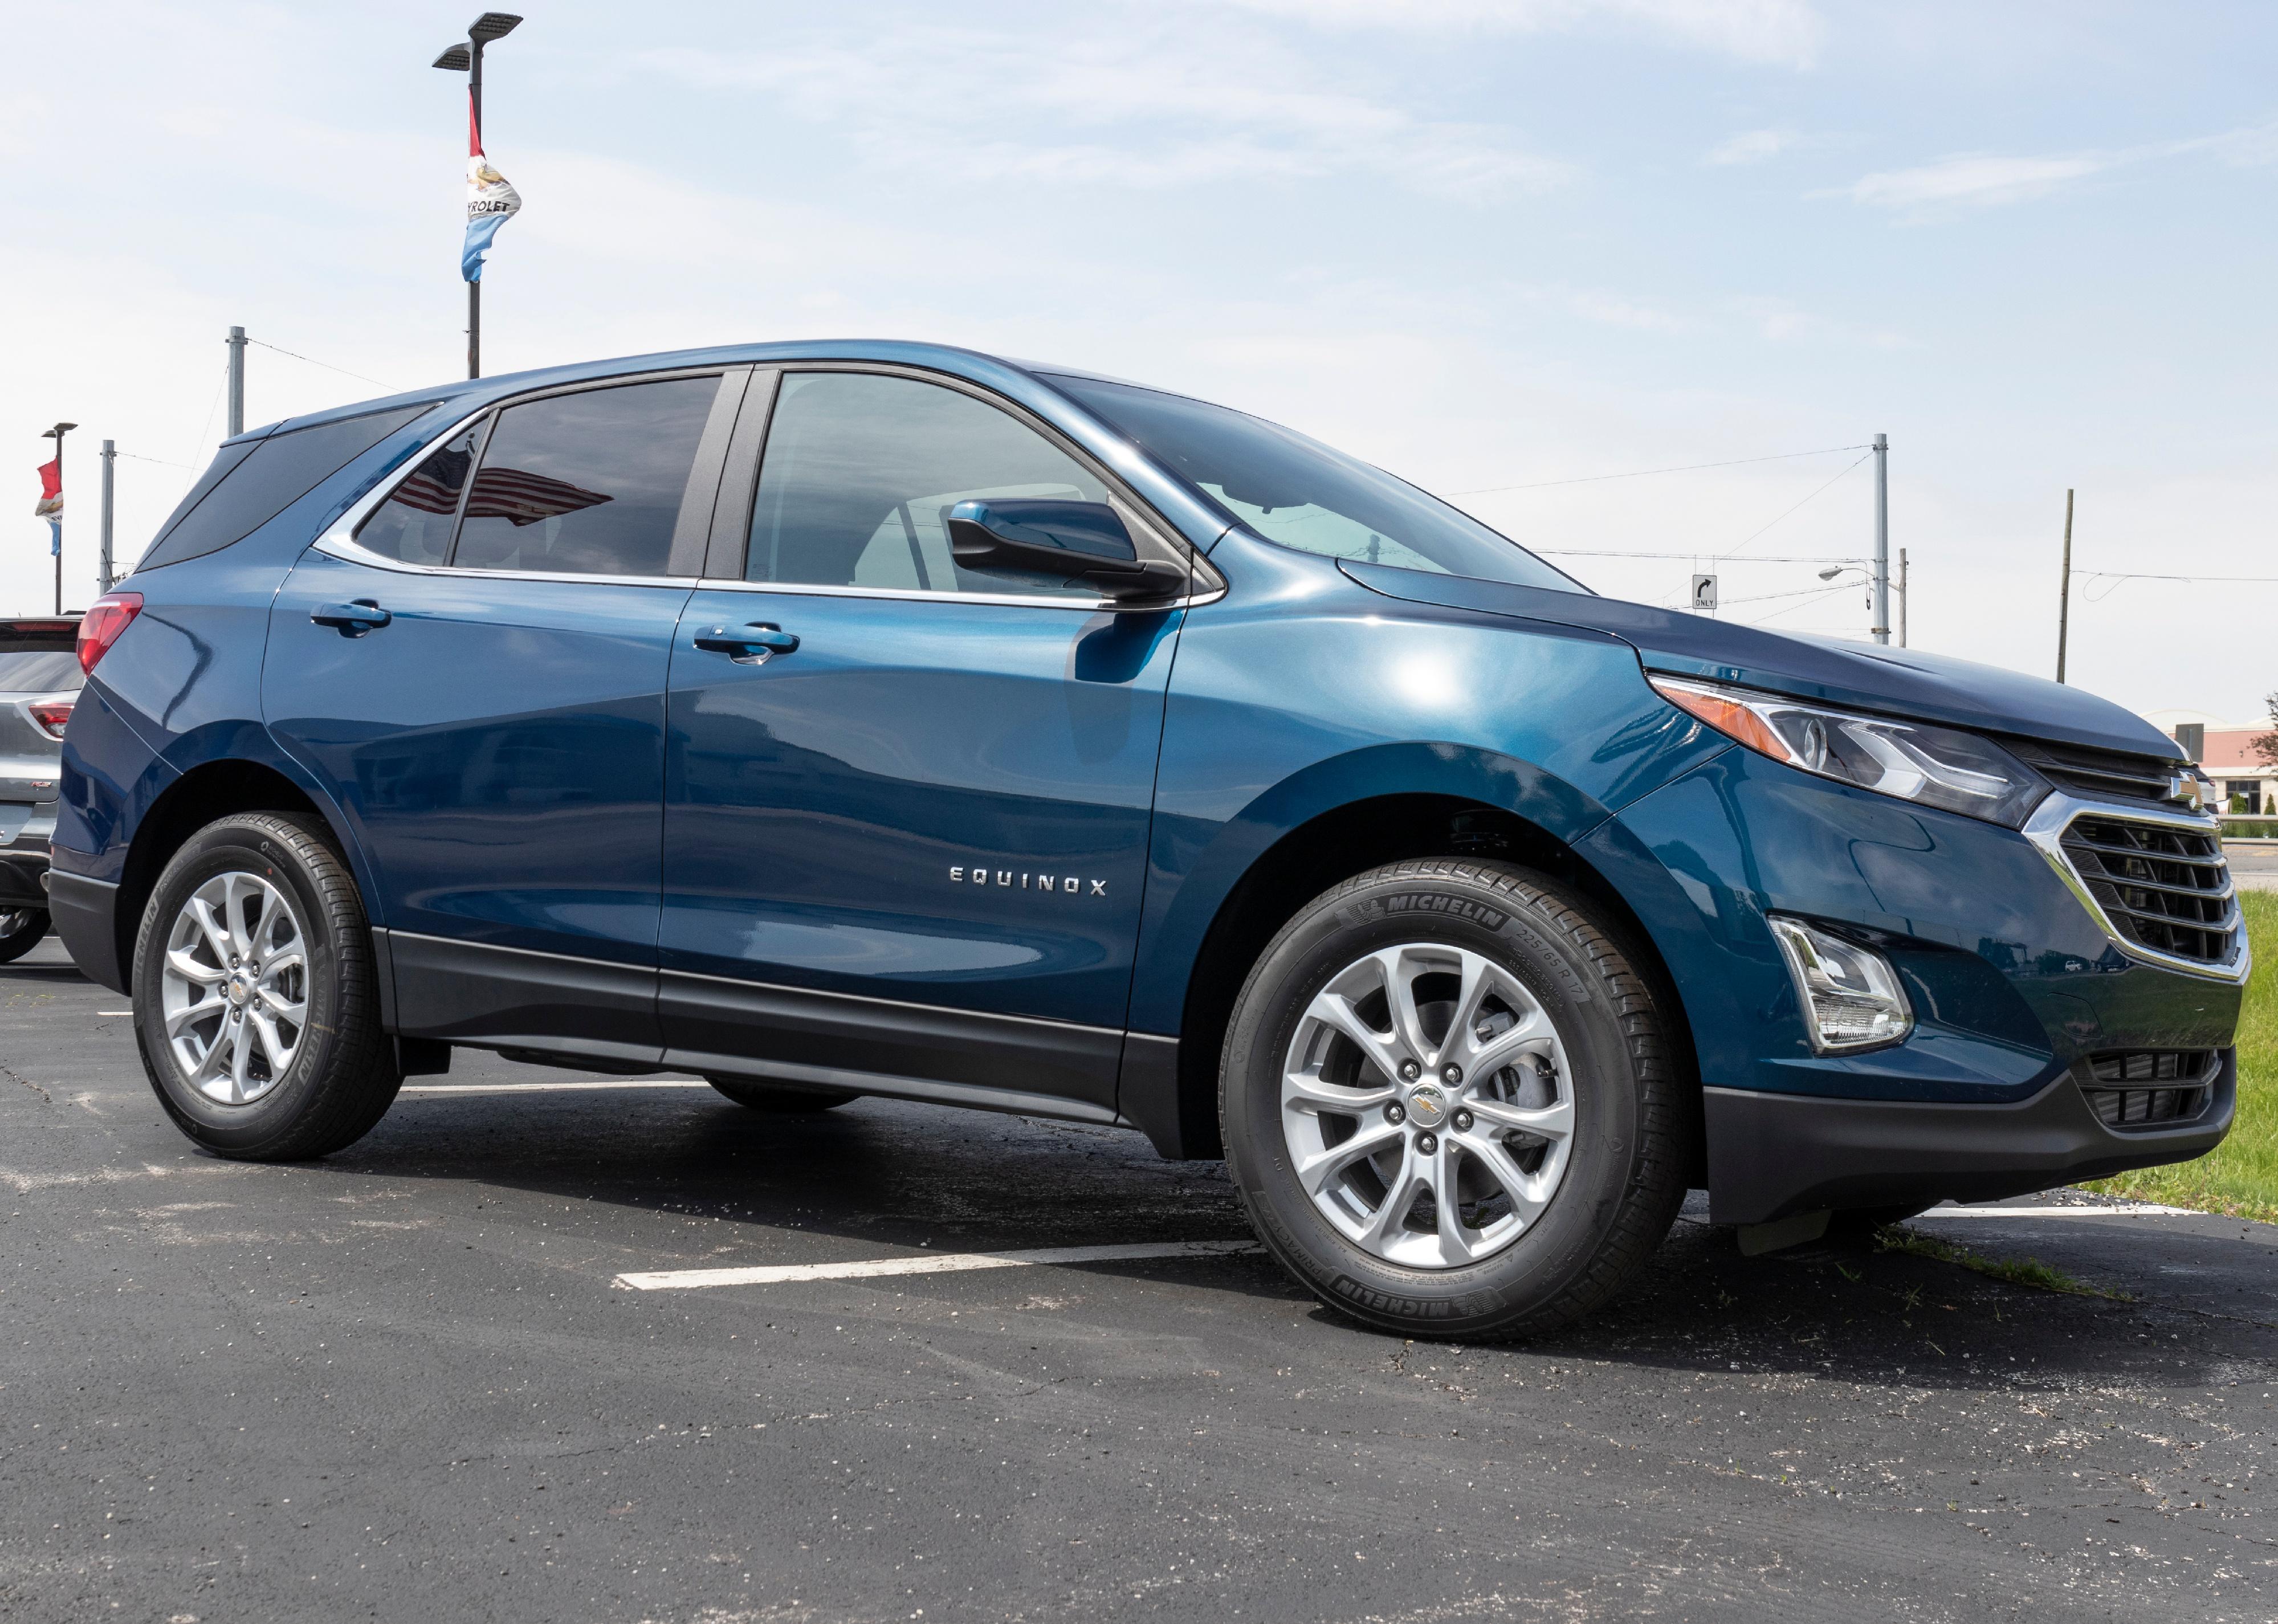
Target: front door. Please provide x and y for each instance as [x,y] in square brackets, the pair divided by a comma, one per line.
[911,848]
[477,678]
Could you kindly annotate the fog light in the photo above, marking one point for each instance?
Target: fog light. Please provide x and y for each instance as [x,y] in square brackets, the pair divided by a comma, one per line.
[1850,995]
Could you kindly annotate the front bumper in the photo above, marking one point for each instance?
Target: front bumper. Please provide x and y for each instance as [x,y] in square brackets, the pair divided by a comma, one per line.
[1773,1155]
[2019,992]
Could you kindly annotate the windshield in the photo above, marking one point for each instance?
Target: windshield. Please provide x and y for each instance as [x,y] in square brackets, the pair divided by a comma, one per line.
[1302,494]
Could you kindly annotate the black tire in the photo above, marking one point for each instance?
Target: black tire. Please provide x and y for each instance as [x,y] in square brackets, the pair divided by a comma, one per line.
[31,929]
[777,1099]
[342,1075]
[1632,1140]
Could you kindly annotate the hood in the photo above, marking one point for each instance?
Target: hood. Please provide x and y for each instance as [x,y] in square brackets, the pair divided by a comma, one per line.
[1863,676]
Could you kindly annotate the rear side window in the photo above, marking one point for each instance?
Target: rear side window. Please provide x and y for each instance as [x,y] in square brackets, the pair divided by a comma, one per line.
[414,523]
[249,486]
[586,484]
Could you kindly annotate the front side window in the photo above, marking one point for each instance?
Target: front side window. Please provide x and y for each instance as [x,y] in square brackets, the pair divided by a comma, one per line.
[1302,494]
[862,471]
[586,484]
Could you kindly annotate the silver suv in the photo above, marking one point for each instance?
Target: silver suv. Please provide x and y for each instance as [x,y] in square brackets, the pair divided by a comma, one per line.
[39,680]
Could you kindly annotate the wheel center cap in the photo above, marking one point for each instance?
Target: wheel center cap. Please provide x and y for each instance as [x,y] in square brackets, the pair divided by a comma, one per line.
[237,989]
[1427,1105]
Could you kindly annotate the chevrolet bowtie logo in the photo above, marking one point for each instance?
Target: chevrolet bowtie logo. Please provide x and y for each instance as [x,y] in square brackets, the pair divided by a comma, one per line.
[1014,879]
[2186,787]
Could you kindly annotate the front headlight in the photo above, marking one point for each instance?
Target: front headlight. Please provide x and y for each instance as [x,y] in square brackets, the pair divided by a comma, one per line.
[1938,766]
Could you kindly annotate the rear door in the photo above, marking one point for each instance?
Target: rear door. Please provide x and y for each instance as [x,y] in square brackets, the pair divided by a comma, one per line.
[913,846]
[477,674]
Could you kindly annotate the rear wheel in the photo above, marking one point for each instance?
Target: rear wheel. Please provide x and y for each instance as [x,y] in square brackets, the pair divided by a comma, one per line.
[777,1099]
[20,932]
[256,1008]
[1448,1105]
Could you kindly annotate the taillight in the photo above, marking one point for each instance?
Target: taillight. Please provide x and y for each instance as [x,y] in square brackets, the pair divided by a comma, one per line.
[53,716]
[106,617]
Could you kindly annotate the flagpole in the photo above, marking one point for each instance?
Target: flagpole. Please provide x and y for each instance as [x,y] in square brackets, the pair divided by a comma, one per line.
[475,288]
[56,519]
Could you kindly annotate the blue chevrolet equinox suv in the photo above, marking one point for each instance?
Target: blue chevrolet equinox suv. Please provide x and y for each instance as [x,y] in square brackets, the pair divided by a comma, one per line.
[832,720]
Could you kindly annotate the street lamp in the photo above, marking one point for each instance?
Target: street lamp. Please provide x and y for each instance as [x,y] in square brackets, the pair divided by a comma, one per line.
[1833,570]
[467,59]
[56,524]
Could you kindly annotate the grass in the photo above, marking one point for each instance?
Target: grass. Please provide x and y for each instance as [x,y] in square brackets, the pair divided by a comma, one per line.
[2026,1271]
[2240,1176]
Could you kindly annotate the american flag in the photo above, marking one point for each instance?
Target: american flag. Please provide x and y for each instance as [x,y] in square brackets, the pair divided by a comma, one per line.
[435,487]
[523,499]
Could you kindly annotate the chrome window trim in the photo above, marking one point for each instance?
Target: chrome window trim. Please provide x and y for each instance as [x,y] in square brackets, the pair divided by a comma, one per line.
[338,539]
[1088,606]
[2045,829]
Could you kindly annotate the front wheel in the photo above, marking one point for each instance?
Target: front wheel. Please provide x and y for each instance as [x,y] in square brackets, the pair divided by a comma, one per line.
[1449,1103]
[256,1004]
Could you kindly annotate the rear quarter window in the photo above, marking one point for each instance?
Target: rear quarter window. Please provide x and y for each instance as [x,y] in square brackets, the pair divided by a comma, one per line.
[249,486]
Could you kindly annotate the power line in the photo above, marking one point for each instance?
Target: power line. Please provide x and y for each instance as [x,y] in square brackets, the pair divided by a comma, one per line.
[1761,558]
[1807,502]
[161,461]
[1686,468]
[2137,575]
[313,361]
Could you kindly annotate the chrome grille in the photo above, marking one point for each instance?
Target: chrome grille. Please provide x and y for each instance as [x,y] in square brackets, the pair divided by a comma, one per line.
[2165,889]
[2099,775]
[2151,1088]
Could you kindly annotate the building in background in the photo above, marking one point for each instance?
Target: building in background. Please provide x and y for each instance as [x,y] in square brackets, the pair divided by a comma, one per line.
[2225,750]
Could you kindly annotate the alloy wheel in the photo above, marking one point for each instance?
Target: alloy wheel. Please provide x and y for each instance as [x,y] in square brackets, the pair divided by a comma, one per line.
[235,987]
[1427,1105]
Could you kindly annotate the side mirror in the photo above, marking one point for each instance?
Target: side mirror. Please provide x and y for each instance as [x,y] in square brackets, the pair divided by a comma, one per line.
[1075,541]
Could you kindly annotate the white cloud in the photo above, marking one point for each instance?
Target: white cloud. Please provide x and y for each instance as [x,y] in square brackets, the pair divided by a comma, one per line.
[1981,179]
[1131,109]
[1783,31]
[1977,180]
[1751,146]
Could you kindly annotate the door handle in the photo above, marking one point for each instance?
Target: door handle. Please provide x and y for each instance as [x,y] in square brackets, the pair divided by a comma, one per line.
[747,645]
[352,619]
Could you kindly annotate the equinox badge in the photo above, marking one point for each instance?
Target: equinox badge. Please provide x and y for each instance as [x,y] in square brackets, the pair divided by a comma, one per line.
[1067,884]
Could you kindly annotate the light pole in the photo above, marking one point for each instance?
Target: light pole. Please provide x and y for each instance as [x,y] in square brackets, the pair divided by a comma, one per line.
[1882,538]
[467,59]
[1874,578]
[56,524]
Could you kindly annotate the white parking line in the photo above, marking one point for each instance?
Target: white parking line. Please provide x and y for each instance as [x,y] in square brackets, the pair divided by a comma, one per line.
[2129,1210]
[947,1263]
[615,1082]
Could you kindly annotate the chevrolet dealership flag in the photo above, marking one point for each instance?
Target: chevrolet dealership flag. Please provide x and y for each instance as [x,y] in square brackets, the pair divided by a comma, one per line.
[492,201]
[52,502]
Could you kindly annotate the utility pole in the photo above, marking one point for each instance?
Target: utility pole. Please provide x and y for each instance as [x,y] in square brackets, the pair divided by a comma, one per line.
[103,558]
[1902,598]
[2064,591]
[236,384]
[1882,538]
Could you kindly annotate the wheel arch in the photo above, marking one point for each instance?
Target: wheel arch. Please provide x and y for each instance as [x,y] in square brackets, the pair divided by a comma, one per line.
[1333,844]
[212,789]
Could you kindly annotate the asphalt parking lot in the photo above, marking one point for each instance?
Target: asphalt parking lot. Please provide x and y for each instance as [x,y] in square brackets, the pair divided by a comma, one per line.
[406,1382]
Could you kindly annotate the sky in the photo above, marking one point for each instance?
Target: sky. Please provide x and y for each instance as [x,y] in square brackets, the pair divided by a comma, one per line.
[1505,248]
